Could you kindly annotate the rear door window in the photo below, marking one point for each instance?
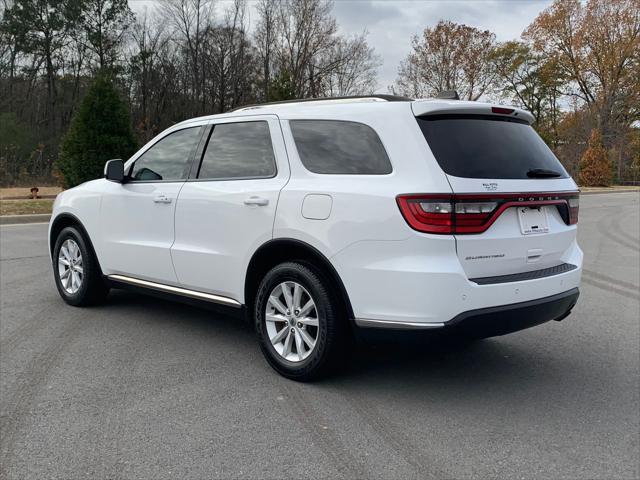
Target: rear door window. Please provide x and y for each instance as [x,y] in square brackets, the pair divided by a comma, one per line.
[239,150]
[339,147]
[486,146]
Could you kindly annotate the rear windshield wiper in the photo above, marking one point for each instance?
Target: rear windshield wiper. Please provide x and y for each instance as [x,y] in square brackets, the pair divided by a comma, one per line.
[542,173]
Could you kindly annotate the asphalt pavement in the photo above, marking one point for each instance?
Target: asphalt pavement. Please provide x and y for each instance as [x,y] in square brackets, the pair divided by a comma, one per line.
[147,389]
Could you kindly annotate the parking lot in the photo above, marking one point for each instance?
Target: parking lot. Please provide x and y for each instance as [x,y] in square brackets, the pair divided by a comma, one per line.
[144,388]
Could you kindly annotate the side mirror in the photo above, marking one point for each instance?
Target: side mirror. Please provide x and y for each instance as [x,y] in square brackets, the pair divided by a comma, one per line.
[114,170]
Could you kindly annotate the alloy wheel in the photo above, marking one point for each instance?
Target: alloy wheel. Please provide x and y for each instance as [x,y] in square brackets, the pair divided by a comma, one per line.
[292,321]
[70,267]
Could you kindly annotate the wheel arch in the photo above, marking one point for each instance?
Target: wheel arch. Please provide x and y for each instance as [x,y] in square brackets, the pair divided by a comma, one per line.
[281,250]
[69,220]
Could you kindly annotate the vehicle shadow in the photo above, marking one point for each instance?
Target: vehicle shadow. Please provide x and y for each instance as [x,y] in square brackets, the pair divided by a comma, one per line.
[210,320]
[423,362]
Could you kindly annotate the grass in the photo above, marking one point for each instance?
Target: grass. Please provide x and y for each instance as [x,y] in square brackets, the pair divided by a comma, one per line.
[25,191]
[25,207]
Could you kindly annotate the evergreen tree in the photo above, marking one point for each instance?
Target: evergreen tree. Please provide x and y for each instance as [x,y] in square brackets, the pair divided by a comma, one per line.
[99,131]
[281,88]
[595,166]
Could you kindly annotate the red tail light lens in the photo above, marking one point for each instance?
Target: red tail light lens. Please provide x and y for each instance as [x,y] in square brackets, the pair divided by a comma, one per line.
[427,213]
[502,111]
[469,213]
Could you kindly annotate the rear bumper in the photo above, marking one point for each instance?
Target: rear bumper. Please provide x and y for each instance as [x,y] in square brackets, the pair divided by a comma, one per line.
[419,283]
[494,321]
[505,319]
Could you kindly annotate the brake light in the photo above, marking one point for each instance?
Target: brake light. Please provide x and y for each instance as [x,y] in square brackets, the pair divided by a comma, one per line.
[502,110]
[470,213]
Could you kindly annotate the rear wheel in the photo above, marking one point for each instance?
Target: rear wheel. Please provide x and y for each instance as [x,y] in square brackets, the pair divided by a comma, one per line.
[76,270]
[300,323]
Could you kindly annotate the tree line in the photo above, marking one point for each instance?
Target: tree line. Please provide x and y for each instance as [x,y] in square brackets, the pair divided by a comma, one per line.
[576,68]
[183,59]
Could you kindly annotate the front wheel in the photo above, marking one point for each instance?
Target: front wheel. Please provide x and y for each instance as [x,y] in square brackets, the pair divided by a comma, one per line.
[300,323]
[76,270]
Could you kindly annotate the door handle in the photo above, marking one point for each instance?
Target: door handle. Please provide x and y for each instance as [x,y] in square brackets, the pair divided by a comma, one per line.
[256,201]
[162,198]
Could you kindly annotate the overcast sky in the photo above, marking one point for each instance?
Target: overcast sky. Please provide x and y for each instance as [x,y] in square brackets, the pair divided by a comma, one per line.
[392,23]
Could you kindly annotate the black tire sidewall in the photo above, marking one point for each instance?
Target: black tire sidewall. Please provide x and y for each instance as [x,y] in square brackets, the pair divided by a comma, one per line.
[326,307]
[82,296]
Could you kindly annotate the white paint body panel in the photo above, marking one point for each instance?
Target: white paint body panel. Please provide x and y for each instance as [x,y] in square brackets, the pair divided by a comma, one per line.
[217,233]
[136,233]
[206,237]
[83,202]
[363,206]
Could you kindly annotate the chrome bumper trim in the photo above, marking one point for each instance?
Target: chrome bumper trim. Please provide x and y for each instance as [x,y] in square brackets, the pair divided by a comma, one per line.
[390,324]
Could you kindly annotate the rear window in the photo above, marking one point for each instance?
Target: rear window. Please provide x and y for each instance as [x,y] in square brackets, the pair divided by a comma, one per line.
[485,146]
[339,147]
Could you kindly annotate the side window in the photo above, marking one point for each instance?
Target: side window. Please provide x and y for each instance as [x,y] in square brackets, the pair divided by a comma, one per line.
[339,147]
[168,159]
[239,150]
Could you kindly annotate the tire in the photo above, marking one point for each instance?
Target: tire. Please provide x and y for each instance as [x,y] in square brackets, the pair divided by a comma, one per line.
[331,334]
[73,255]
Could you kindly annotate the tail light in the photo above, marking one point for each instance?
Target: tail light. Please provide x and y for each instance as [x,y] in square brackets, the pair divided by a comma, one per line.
[502,111]
[574,206]
[471,213]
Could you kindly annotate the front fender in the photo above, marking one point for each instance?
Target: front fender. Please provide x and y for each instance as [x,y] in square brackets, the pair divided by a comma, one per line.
[82,205]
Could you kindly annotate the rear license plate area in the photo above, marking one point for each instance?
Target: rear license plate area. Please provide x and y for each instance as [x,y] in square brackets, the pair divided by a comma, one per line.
[533,220]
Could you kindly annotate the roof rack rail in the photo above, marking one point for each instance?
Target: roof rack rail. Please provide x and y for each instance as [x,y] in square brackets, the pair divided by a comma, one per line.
[448,95]
[388,98]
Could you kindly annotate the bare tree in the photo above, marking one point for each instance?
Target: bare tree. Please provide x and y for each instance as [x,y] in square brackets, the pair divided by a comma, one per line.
[191,19]
[145,79]
[265,38]
[9,52]
[307,32]
[105,23]
[354,68]
[42,28]
[299,46]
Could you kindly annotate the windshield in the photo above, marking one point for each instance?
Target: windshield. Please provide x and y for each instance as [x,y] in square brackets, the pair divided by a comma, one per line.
[487,146]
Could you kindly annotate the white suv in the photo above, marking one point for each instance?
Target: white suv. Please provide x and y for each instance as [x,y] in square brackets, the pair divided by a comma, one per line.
[318,219]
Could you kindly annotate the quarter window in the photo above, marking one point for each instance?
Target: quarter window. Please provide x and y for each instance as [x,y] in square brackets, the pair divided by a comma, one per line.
[339,147]
[239,150]
[168,159]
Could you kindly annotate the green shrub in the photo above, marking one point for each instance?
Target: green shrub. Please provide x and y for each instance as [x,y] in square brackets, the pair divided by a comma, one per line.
[99,131]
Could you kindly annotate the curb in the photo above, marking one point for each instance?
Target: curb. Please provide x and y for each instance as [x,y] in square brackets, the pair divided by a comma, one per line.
[594,192]
[22,219]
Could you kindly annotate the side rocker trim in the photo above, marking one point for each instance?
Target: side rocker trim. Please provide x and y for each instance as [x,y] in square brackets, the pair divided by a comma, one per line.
[185,292]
